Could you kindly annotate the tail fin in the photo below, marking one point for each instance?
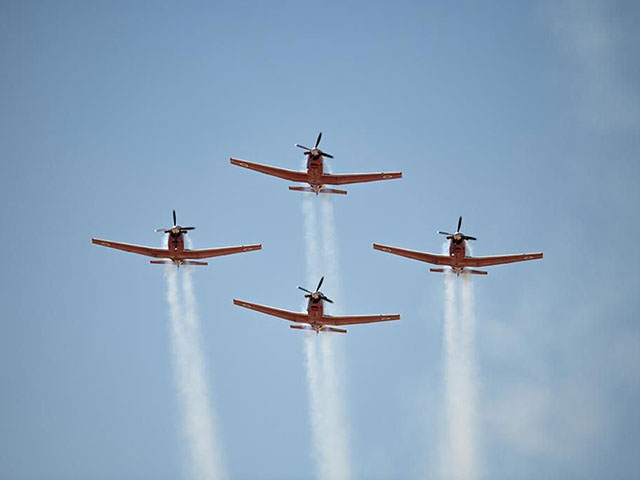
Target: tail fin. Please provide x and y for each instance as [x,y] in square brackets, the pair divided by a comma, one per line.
[324,190]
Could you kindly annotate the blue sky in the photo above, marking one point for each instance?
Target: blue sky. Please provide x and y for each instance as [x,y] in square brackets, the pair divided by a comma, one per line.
[522,117]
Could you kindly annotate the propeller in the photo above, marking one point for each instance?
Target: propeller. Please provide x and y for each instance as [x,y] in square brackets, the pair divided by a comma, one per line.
[175,229]
[317,295]
[458,235]
[315,151]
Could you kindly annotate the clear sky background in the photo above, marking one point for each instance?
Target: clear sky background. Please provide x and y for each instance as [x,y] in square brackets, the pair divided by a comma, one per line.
[522,117]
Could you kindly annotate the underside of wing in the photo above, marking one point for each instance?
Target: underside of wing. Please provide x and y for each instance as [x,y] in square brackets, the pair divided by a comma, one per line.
[299,317]
[346,178]
[128,247]
[292,175]
[500,259]
[356,319]
[415,254]
[217,252]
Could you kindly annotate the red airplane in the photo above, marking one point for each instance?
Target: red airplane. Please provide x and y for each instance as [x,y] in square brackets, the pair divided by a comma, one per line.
[315,317]
[176,253]
[315,175]
[457,258]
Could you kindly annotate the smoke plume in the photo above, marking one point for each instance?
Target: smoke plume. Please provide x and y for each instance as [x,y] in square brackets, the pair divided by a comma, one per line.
[196,418]
[329,431]
[459,443]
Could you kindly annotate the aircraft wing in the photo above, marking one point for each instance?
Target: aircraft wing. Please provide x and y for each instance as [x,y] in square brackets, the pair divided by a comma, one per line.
[299,317]
[292,175]
[139,249]
[356,319]
[415,254]
[500,259]
[217,252]
[345,178]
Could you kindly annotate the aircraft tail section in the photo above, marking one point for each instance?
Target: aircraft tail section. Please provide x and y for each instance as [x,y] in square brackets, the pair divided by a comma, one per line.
[311,190]
[467,271]
[322,329]
[335,330]
[475,272]
[184,262]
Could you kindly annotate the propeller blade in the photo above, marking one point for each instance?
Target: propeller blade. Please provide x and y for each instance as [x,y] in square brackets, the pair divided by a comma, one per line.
[318,141]
[320,284]
[174,218]
[327,155]
[469,238]
[161,229]
[187,228]
[304,290]
[302,146]
[459,224]
[444,233]
[326,299]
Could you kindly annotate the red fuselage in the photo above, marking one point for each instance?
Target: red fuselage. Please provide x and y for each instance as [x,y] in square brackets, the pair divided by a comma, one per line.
[176,243]
[315,309]
[457,251]
[315,169]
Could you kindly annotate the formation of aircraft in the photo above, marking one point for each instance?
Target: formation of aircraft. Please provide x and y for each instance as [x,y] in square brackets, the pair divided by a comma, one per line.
[315,175]
[175,252]
[457,259]
[315,319]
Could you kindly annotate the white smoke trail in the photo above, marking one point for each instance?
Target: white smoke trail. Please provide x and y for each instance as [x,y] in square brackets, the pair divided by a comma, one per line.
[190,380]
[330,252]
[321,451]
[468,367]
[329,434]
[335,418]
[312,253]
[451,429]
[459,455]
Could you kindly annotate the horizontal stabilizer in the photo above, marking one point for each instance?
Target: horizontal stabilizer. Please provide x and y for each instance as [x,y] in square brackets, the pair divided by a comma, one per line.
[437,270]
[333,190]
[184,262]
[311,190]
[322,329]
[301,327]
[475,272]
[332,329]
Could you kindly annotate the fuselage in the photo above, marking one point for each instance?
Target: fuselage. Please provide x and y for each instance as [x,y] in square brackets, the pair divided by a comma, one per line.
[457,251]
[175,245]
[315,309]
[315,169]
